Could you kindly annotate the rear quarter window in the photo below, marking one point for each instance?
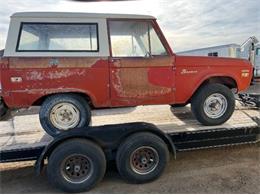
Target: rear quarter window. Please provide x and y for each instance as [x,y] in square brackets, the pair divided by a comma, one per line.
[58,37]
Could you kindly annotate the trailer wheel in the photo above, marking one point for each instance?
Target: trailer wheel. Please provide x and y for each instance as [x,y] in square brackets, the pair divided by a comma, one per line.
[142,158]
[76,165]
[64,111]
[213,104]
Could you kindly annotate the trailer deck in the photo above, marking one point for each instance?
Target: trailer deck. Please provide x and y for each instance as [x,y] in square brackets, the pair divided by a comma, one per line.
[22,137]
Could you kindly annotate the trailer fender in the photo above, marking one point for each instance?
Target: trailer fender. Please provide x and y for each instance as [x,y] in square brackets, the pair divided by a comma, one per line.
[50,147]
[108,137]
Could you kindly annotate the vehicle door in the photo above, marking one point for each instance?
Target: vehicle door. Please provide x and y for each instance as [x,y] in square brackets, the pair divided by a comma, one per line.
[141,67]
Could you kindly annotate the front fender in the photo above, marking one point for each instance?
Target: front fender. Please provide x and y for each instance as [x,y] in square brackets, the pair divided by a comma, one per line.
[194,81]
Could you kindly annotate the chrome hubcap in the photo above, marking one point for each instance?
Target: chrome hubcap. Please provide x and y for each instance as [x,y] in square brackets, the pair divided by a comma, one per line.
[215,105]
[65,116]
[144,160]
[76,168]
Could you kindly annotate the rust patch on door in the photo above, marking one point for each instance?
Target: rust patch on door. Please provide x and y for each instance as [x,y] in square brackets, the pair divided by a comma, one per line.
[47,62]
[134,83]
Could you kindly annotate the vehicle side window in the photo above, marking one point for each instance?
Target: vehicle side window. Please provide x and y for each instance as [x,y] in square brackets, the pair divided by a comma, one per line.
[58,37]
[134,39]
[157,47]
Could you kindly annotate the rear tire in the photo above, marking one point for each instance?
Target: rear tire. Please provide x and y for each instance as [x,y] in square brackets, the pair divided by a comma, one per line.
[76,165]
[213,104]
[64,111]
[142,158]
[178,105]
[3,109]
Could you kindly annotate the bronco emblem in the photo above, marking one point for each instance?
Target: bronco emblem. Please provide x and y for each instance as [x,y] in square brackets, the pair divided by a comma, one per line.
[185,71]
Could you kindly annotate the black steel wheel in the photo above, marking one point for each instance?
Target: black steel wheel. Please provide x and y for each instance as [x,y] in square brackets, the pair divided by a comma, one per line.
[76,165]
[77,168]
[142,157]
[144,160]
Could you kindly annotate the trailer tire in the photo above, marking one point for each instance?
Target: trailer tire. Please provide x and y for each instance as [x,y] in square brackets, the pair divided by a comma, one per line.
[65,165]
[71,108]
[213,104]
[142,157]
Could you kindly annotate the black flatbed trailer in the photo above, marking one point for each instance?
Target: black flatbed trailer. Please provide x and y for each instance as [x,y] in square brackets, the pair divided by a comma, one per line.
[180,135]
[183,141]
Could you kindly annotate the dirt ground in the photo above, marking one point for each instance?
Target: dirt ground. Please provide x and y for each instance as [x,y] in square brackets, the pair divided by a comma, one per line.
[233,169]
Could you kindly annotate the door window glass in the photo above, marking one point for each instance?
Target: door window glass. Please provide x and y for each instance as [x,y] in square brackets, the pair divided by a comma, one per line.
[134,39]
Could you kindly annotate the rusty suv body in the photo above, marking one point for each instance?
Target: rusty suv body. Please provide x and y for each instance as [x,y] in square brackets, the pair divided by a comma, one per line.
[103,60]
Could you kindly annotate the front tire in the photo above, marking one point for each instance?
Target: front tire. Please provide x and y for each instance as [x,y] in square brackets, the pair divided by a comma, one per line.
[142,158]
[64,111]
[213,104]
[76,165]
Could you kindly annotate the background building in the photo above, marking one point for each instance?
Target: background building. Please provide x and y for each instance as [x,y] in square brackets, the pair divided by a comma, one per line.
[250,50]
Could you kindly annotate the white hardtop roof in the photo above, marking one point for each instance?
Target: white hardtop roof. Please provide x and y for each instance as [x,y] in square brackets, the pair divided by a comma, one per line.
[76,15]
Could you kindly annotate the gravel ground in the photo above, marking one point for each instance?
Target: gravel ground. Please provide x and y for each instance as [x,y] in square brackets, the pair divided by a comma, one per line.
[222,170]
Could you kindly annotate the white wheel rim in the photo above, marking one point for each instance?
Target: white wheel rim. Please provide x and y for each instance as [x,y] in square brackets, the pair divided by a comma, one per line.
[215,105]
[64,116]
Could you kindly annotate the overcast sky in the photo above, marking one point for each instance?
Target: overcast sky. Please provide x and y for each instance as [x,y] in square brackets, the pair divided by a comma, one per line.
[187,24]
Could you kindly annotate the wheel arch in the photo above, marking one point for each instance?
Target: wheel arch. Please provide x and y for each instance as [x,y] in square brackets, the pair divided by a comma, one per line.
[228,81]
[54,144]
[89,98]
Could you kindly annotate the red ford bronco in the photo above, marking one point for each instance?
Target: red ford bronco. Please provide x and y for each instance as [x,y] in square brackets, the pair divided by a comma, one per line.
[70,63]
